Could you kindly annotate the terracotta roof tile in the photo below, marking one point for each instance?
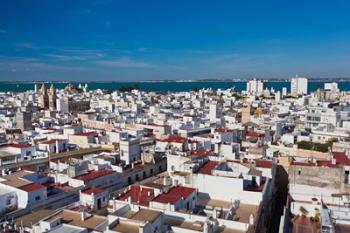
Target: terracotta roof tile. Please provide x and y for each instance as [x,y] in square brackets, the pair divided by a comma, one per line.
[31,187]
[94,175]
[208,167]
[90,191]
[174,195]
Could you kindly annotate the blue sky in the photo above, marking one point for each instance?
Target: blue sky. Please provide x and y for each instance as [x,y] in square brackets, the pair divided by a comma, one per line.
[127,40]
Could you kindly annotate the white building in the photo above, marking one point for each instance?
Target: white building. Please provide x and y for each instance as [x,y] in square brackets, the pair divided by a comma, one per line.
[53,146]
[130,149]
[213,112]
[8,200]
[11,153]
[27,186]
[255,87]
[331,86]
[95,198]
[319,116]
[284,91]
[298,86]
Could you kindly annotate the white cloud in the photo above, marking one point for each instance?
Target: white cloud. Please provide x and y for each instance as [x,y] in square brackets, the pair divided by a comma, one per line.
[15,64]
[125,62]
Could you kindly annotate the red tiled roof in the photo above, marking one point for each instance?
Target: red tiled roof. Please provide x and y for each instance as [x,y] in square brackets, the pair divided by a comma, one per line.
[16,145]
[52,141]
[223,130]
[138,195]
[263,163]
[31,187]
[88,134]
[302,164]
[341,158]
[29,169]
[254,134]
[325,163]
[64,187]
[192,141]
[94,175]
[89,191]
[148,134]
[174,195]
[201,152]
[177,139]
[208,167]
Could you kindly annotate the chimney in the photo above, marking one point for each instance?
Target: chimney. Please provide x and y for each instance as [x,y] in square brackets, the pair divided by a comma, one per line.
[215,213]
[334,161]
[251,219]
[57,147]
[82,215]
[114,205]
[216,148]
[206,227]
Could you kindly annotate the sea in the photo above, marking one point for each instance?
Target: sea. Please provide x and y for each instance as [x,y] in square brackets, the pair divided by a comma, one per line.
[170,86]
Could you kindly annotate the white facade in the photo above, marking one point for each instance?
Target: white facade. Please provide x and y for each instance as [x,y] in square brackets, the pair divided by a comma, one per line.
[255,87]
[298,86]
[27,198]
[130,150]
[94,199]
[331,86]
[8,200]
[53,146]
[213,112]
[21,151]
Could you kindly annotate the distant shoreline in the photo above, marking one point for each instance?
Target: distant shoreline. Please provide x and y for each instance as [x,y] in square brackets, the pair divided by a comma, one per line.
[181,81]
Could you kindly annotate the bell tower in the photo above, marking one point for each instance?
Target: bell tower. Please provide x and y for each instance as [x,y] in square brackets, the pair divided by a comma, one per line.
[44,98]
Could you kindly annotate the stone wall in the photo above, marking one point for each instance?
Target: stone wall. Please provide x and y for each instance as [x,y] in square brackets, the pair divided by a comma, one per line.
[317,176]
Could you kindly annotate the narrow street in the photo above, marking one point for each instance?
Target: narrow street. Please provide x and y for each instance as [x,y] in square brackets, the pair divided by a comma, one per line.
[280,199]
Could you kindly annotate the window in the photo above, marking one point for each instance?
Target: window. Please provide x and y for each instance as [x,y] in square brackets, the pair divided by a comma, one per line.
[104,198]
[37,198]
[346,180]
[299,171]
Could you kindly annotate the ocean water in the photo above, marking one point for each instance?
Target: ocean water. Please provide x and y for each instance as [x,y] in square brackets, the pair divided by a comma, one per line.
[167,86]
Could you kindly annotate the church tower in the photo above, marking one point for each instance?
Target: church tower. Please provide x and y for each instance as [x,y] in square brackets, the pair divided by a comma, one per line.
[44,98]
[52,98]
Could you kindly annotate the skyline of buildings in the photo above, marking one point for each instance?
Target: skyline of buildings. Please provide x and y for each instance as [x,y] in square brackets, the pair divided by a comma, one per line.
[206,160]
[124,116]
